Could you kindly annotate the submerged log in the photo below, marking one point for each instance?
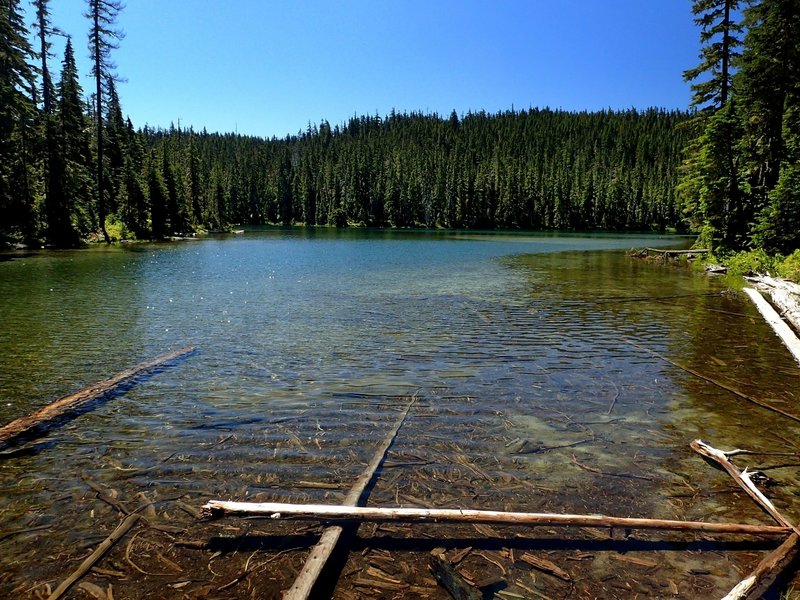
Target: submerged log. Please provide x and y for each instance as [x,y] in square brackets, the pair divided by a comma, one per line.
[446,574]
[766,572]
[326,512]
[719,384]
[34,423]
[303,585]
[95,556]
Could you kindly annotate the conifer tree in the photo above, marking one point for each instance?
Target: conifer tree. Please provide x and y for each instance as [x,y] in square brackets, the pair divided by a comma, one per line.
[17,114]
[103,39]
[76,205]
[710,172]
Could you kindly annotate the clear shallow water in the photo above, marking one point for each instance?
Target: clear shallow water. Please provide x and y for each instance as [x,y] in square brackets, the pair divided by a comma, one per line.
[307,338]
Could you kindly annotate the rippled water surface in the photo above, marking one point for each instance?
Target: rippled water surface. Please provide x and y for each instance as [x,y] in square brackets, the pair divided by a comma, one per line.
[546,372]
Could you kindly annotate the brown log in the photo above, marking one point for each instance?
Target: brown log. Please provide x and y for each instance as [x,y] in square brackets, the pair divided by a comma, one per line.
[29,425]
[321,552]
[765,573]
[326,512]
[104,547]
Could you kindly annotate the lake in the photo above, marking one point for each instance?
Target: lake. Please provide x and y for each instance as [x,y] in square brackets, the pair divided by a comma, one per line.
[541,370]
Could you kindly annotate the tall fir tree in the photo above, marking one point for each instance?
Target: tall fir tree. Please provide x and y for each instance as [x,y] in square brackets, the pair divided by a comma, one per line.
[17,122]
[712,197]
[103,38]
[75,157]
[769,86]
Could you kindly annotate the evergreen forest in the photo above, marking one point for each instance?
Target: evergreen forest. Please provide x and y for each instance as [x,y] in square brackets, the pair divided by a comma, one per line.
[73,168]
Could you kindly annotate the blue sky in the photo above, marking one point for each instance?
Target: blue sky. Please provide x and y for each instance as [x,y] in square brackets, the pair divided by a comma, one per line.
[266,67]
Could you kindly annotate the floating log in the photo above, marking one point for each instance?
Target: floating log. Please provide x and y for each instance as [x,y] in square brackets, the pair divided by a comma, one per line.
[327,512]
[34,423]
[784,332]
[303,585]
[768,569]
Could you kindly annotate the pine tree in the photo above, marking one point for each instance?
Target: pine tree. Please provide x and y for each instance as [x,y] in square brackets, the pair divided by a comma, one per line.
[73,168]
[769,81]
[103,39]
[17,114]
[720,38]
[710,172]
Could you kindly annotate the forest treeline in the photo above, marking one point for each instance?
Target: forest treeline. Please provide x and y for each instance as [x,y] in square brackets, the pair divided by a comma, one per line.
[72,167]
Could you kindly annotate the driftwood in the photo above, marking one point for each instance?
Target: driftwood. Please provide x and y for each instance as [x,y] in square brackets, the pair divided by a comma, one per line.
[719,384]
[768,569]
[101,550]
[326,512]
[673,253]
[308,576]
[784,332]
[743,479]
[31,424]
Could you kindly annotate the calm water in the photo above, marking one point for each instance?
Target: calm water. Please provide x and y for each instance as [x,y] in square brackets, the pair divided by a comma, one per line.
[307,338]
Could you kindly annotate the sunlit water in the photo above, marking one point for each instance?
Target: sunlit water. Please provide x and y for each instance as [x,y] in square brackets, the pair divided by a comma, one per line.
[307,339]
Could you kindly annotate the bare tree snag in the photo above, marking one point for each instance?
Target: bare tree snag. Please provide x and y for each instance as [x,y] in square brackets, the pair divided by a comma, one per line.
[34,423]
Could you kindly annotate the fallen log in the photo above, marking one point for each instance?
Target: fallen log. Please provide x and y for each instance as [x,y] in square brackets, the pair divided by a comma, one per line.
[326,512]
[36,422]
[766,572]
[784,294]
[321,552]
[446,574]
[670,253]
[771,316]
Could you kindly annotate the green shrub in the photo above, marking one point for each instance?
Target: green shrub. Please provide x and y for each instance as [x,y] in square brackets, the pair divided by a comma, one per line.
[752,261]
[790,267]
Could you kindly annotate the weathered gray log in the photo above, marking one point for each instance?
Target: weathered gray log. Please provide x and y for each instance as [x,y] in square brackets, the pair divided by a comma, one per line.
[31,424]
[327,512]
[321,552]
[788,337]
